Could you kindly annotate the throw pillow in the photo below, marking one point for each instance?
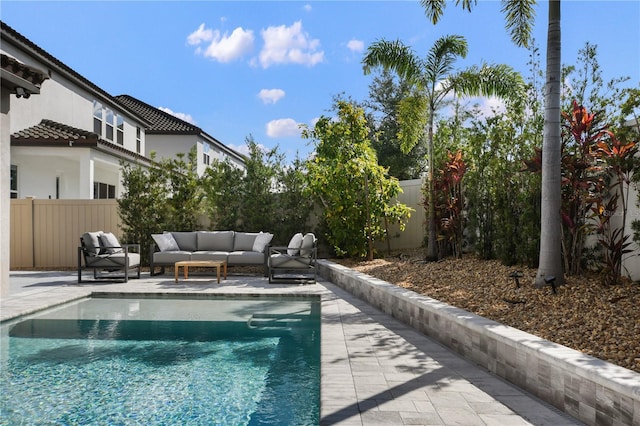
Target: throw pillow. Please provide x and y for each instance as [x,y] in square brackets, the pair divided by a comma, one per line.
[261,242]
[109,244]
[307,245]
[294,245]
[165,242]
[91,242]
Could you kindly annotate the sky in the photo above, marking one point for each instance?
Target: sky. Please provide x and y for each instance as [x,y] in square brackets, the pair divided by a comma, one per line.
[261,69]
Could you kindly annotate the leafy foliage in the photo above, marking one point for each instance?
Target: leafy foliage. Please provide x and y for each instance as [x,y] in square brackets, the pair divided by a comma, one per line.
[354,191]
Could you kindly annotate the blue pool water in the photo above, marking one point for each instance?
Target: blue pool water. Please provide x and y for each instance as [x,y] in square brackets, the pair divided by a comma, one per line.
[114,361]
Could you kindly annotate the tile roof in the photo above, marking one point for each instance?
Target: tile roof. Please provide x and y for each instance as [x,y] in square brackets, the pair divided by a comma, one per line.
[53,134]
[25,72]
[161,122]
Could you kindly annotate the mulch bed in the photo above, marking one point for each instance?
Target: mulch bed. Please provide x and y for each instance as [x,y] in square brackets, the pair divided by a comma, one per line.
[602,321]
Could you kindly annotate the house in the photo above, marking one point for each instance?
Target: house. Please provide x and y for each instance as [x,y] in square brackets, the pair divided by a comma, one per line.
[70,139]
[168,136]
[69,143]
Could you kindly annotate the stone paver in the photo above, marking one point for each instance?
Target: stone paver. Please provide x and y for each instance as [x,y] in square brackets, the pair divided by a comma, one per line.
[374,369]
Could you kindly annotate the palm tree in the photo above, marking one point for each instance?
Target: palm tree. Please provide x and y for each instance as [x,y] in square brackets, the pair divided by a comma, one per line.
[430,80]
[519,16]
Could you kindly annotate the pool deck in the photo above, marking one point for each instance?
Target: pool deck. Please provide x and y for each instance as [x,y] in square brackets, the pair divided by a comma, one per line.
[375,370]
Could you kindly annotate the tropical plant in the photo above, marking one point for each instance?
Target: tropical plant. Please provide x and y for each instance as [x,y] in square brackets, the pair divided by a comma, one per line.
[431,80]
[519,16]
[450,203]
[621,162]
[354,192]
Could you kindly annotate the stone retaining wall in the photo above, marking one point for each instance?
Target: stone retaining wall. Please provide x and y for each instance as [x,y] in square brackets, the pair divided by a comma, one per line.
[594,391]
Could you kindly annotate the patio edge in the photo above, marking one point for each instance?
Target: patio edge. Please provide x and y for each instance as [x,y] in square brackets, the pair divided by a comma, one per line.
[587,388]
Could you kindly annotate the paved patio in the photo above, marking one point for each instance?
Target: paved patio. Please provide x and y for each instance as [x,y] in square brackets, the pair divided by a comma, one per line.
[375,370]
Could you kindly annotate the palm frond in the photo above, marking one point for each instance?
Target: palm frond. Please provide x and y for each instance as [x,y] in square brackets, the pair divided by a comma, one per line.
[488,80]
[442,56]
[519,16]
[392,55]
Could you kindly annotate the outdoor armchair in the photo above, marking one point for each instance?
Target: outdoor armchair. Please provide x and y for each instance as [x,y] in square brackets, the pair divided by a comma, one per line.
[102,252]
[295,263]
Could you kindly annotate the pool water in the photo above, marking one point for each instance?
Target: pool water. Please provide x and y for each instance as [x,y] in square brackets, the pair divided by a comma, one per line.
[208,362]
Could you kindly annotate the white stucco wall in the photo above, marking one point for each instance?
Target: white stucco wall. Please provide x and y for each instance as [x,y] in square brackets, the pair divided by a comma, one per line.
[64,101]
[5,204]
[77,169]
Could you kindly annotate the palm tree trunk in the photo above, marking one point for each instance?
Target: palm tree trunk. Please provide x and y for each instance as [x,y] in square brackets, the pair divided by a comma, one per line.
[551,230]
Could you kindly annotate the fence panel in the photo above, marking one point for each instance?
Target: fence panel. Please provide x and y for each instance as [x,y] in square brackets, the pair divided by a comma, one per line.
[45,233]
[21,234]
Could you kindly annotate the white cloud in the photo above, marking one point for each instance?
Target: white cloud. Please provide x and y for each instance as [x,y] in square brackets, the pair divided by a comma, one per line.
[271,96]
[222,47]
[307,8]
[355,45]
[283,127]
[289,45]
[182,116]
[200,35]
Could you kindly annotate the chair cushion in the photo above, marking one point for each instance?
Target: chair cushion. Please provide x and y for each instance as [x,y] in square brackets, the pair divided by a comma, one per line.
[294,245]
[113,260]
[214,241]
[109,244]
[308,241]
[261,242]
[243,241]
[284,261]
[165,242]
[186,240]
[91,241]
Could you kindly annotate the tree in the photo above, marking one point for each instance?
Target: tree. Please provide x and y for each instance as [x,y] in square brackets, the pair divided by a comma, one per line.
[519,16]
[430,80]
[385,94]
[143,206]
[353,190]
[185,191]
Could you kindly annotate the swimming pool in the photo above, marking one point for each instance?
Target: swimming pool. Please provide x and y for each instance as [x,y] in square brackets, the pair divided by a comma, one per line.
[160,360]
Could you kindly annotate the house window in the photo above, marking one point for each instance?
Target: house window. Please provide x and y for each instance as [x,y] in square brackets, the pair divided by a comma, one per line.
[14,181]
[109,125]
[97,118]
[119,129]
[57,187]
[138,140]
[103,191]
[206,159]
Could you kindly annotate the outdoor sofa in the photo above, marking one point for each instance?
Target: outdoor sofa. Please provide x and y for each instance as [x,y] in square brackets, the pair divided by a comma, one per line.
[236,248]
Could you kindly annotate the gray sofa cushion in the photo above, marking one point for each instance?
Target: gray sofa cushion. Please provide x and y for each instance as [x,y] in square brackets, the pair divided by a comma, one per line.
[214,241]
[187,241]
[262,240]
[245,258]
[169,257]
[209,255]
[243,241]
[91,242]
[165,242]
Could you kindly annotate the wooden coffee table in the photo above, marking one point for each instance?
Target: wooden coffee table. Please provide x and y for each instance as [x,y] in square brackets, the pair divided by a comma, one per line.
[201,264]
